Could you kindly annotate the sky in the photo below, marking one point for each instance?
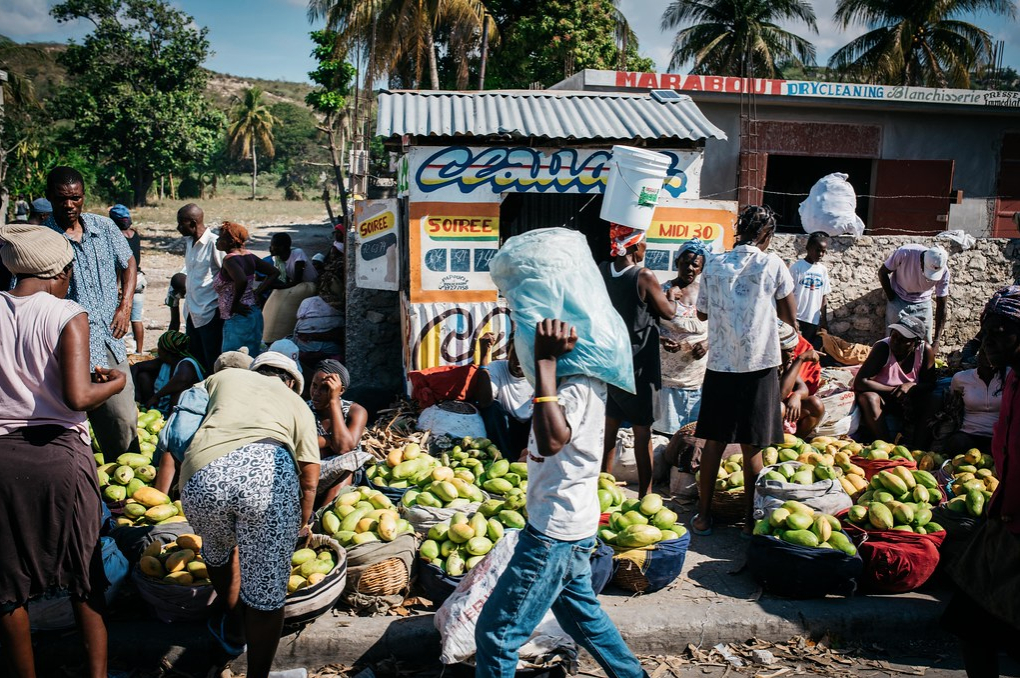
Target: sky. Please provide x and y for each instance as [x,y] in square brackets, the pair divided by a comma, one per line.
[269,38]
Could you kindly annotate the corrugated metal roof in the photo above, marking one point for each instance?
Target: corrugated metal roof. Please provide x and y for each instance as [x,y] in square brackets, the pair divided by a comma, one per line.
[541,114]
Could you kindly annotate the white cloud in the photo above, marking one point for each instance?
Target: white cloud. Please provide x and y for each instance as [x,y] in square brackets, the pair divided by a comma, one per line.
[25,18]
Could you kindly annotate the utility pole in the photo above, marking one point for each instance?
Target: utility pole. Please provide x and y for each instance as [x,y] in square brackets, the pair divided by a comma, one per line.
[485,52]
[4,195]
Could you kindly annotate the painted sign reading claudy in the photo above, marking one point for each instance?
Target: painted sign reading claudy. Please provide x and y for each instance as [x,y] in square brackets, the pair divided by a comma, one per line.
[454,173]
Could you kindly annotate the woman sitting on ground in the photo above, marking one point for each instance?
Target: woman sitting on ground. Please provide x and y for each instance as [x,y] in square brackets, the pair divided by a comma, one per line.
[980,390]
[802,409]
[340,424]
[888,380]
[159,382]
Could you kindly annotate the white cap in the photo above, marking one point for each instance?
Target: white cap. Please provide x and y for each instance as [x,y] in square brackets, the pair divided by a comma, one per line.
[934,263]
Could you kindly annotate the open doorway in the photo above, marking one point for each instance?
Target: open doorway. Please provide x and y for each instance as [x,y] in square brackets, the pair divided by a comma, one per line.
[523,212]
[789,179]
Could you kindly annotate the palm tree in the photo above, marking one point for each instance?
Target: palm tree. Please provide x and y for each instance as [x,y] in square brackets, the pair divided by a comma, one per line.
[396,33]
[921,42]
[251,128]
[738,37]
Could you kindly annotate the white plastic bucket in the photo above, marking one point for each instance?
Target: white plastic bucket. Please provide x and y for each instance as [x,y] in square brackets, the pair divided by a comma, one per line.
[635,179]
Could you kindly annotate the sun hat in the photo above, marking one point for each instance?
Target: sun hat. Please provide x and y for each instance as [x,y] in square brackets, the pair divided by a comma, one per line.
[34,250]
[238,359]
[910,327]
[934,263]
[280,362]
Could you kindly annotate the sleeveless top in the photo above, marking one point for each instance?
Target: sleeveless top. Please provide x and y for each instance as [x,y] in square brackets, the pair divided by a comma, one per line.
[31,386]
[892,374]
[642,326]
[163,378]
[224,284]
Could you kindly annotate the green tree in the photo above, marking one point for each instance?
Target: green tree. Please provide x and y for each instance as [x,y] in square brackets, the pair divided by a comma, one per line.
[334,78]
[251,129]
[922,42]
[136,88]
[296,138]
[549,40]
[738,37]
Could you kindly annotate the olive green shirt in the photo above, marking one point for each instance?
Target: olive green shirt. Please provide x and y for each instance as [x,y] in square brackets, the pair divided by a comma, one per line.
[246,407]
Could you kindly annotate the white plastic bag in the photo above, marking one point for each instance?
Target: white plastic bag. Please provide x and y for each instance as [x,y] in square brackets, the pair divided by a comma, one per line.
[831,207]
[958,237]
[549,273]
[826,496]
[441,418]
[458,616]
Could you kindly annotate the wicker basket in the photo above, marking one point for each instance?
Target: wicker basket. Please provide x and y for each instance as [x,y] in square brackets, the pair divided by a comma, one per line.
[312,602]
[629,576]
[729,507]
[385,578]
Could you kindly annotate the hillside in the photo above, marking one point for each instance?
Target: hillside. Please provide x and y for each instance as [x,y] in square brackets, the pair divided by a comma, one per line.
[38,62]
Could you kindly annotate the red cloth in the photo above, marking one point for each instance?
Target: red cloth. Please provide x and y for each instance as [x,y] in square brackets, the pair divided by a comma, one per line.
[873,466]
[438,384]
[895,561]
[810,373]
[1006,453]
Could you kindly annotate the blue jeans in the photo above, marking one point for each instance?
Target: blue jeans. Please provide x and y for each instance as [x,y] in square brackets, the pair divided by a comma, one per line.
[243,330]
[548,573]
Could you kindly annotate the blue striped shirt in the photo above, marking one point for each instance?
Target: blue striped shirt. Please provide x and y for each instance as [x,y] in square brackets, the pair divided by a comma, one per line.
[102,252]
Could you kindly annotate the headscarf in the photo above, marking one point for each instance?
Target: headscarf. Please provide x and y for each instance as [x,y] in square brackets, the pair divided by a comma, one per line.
[237,233]
[176,343]
[1005,302]
[622,238]
[693,245]
[788,337]
[330,366]
[34,250]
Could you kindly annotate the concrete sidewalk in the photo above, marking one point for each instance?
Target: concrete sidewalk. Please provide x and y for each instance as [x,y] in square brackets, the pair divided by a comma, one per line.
[709,604]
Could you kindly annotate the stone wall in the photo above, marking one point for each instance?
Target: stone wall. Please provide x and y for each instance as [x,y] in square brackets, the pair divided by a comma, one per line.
[374,348]
[857,303]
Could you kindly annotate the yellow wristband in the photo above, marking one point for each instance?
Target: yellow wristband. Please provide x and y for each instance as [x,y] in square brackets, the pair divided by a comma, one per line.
[546,399]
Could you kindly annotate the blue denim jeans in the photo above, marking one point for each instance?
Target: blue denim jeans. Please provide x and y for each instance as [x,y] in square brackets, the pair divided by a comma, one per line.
[243,330]
[548,573]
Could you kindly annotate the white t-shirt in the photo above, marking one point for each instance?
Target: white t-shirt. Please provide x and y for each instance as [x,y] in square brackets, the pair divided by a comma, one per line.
[738,293]
[202,263]
[314,316]
[981,402]
[513,393]
[309,274]
[811,284]
[563,500]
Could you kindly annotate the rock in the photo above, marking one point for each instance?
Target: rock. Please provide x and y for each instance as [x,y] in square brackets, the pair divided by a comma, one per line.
[375,317]
[763,657]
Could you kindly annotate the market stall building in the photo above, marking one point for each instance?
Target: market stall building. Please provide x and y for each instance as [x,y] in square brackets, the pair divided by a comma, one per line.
[476,168]
[922,160]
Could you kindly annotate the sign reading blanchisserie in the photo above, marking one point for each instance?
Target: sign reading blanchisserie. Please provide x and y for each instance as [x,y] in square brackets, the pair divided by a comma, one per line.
[799,88]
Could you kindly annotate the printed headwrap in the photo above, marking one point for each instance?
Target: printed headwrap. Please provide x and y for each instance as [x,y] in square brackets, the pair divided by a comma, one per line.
[693,245]
[788,337]
[176,343]
[1005,302]
[623,237]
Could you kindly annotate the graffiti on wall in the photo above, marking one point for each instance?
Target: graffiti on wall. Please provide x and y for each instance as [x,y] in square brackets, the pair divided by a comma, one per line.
[447,333]
[464,170]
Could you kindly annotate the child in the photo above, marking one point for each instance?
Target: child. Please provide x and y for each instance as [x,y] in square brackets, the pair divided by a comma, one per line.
[176,293]
[811,286]
[550,567]
[799,378]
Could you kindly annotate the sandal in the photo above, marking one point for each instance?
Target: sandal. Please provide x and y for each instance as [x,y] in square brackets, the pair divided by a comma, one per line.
[221,637]
[701,533]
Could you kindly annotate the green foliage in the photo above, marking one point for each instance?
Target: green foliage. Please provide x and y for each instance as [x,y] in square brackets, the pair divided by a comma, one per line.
[738,37]
[921,43]
[297,143]
[135,90]
[251,126]
[333,76]
[549,40]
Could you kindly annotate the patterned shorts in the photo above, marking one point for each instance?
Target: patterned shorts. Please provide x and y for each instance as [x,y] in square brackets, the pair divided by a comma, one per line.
[250,499]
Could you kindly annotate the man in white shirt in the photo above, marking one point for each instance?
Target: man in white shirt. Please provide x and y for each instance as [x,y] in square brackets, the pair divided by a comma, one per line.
[296,264]
[910,277]
[811,286]
[742,292]
[202,262]
[504,397]
[551,566]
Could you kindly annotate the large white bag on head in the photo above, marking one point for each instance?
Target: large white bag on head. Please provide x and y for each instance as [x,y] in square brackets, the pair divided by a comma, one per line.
[831,207]
[549,273]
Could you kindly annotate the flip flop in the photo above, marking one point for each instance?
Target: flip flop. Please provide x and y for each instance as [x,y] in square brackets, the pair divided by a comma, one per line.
[221,637]
[701,533]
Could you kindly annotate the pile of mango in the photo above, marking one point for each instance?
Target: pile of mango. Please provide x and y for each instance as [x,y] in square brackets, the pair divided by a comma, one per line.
[148,506]
[610,495]
[973,482]
[443,488]
[404,467]
[641,522]
[309,567]
[458,544]
[825,457]
[881,450]
[510,511]
[362,515]
[731,474]
[485,462]
[179,562]
[798,523]
[119,479]
[898,499]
